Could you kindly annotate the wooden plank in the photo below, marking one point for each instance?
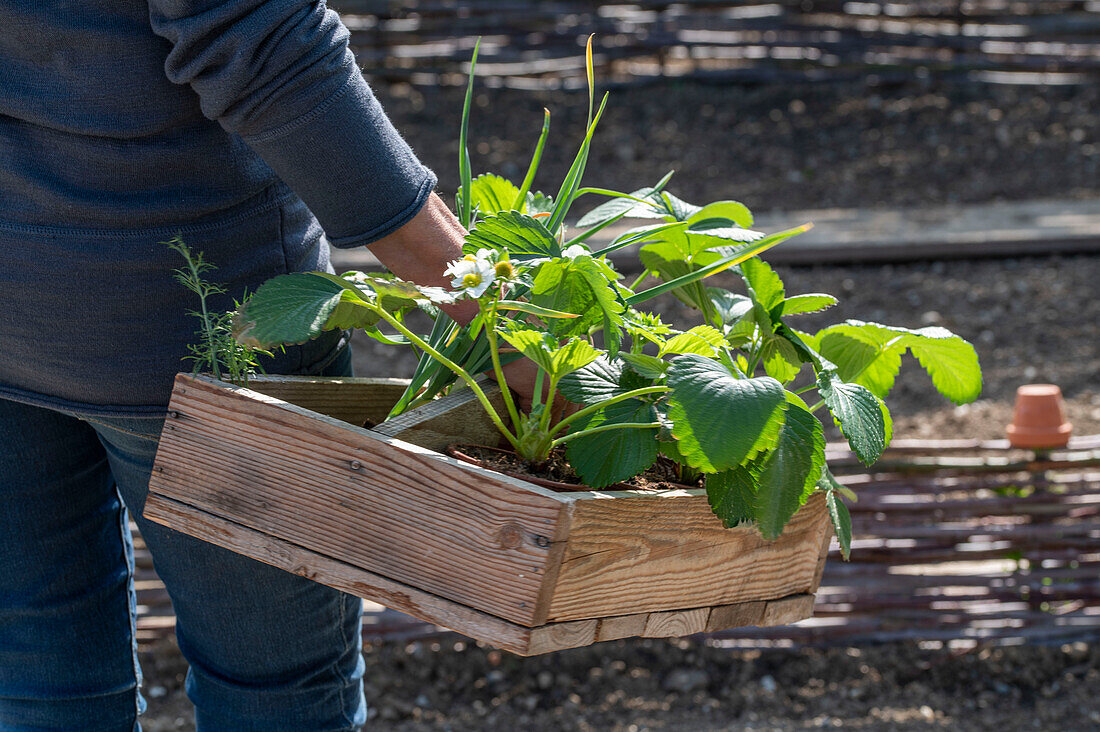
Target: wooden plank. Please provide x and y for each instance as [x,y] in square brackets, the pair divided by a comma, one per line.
[621,626]
[389,507]
[334,573]
[736,616]
[676,623]
[787,610]
[455,418]
[673,546]
[557,636]
[349,399]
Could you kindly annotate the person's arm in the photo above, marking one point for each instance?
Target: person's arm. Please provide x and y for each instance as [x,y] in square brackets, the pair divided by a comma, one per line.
[279,74]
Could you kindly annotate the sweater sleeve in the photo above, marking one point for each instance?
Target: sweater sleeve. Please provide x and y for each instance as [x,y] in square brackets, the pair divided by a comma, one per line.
[280,74]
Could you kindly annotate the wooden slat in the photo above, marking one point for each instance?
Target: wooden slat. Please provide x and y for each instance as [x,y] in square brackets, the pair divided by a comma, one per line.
[349,399]
[334,573]
[676,623]
[646,553]
[735,616]
[456,418]
[383,505]
[787,610]
[622,626]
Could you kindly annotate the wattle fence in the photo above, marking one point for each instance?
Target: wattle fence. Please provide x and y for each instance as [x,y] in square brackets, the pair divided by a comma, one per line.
[956,542]
[539,44]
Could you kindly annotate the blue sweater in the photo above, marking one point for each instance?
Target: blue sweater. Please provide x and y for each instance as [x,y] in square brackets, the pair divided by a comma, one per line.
[244,125]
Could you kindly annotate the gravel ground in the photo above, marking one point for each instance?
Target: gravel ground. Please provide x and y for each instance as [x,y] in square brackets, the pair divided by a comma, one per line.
[689,686]
[782,147]
[787,148]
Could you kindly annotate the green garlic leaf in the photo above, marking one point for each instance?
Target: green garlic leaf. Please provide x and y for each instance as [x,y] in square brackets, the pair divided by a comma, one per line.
[859,414]
[718,418]
[633,449]
[626,207]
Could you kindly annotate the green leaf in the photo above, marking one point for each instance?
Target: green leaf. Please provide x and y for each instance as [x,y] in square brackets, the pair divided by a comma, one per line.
[718,418]
[523,236]
[737,213]
[860,358]
[352,312]
[702,340]
[532,309]
[649,367]
[859,414]
[581,285]
[290,309]
[615,455]
[575,354]
[731,495]
[870,354]
[765,285]
[636,205]
[600,380]
[730,306]
[789,473]
[949,360]
[534,345]
[810,303]
[842,522]
[780,358]
[490,194]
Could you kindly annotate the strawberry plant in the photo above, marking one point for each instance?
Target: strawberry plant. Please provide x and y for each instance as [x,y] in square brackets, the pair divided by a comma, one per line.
[727,401]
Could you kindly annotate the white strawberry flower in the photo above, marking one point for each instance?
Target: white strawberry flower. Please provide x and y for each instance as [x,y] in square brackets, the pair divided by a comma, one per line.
[575,251]
[473,274]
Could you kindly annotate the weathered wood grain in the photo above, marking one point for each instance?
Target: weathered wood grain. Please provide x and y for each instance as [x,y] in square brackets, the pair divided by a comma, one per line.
[630,553]
[787,610]
[348,399]
[736,616]
[621,626]
[450,529]
[676,623]
[455,418]
[431,608]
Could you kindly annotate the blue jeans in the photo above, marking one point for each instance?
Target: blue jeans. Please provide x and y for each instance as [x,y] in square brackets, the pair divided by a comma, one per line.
[268,650]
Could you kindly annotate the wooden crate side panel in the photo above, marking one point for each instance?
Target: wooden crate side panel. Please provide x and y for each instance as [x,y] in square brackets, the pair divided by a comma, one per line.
[456,418]
[334,573]
[396,510]
[440,611]
[653,553]
[348,399]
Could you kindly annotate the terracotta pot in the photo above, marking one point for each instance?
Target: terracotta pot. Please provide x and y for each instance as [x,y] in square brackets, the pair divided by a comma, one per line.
[1039,421]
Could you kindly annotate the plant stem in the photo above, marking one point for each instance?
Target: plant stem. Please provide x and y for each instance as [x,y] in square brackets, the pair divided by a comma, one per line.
[817,406]
[641,278]
[458,370]
[604,428]
[606,403]
[494,354]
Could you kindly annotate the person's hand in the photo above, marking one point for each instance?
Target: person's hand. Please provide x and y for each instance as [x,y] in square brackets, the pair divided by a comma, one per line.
[521,376]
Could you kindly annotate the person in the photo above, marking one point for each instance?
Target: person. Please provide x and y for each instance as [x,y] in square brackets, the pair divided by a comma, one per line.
[245,127]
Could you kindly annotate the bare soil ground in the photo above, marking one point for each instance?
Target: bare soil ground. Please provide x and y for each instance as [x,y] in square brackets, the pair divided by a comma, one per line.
[689,686]
[786,148]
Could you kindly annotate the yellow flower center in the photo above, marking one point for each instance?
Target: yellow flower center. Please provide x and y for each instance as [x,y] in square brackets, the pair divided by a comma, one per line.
[472,279]
[504,270]
[469,258]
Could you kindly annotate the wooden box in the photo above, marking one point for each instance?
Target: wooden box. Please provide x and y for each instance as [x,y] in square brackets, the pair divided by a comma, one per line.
[281,473]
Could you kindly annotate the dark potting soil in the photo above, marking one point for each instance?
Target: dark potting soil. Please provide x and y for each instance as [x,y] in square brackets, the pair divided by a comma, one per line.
[662,476]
